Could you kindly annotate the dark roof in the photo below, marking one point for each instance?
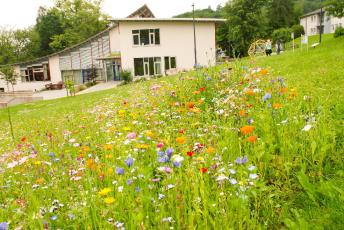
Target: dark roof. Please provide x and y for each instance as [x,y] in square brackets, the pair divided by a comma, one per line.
[142,12]
[313,13]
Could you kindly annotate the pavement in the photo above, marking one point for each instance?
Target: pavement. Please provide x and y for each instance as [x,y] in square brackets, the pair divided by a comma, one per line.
[54,94]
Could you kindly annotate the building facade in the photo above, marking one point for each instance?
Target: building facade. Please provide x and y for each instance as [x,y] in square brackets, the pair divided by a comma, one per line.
[141,43]
[311,23]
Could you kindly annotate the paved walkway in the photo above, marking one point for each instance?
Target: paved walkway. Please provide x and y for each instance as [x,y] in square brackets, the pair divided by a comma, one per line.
[54,94]
[100,87]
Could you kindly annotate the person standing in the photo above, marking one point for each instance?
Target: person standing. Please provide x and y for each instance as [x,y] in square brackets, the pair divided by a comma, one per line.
[278,47]
[268,48]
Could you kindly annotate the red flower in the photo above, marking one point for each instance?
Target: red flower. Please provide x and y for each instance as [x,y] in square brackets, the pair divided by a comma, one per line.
[201,89]
[203,170]
[23,139]
[190,154]
[181,131]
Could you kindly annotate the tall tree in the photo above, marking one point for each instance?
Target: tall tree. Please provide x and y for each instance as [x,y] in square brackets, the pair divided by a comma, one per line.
[281,14]
[335,8]
[7,54]
[48,24]
[246,23]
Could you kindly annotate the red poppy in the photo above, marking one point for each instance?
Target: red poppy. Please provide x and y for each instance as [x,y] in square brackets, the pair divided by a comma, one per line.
[201,89]
[190,154]
[203,170]
[181,131]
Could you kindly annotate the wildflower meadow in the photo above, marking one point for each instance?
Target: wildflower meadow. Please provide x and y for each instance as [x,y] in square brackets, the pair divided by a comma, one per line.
[237,146]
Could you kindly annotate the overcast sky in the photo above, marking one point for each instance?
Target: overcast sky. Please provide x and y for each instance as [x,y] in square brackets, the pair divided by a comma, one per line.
[22,13]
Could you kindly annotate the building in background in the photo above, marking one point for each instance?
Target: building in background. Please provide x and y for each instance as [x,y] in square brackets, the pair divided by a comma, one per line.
[141,43]
[311,23]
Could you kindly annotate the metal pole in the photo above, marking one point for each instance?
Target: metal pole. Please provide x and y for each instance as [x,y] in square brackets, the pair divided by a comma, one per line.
[194,29]
[321,17]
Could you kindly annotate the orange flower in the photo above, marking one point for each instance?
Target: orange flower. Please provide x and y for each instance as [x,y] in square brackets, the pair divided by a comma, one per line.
[252,139]
[250,92]
[23,139]
[196,92]
[293,93]
[264,72]
[190,105]
[108,147]
[180,140]
[276,105]
[283,90]
[247,129]
[242,113]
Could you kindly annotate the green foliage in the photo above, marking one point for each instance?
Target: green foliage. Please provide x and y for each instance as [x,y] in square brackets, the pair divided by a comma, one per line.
[246,23]
[126,76]
[339,32]
[335,7]
[70,87]
[283,35]
[8,74]
[281,14]
[298,30]
[204,13]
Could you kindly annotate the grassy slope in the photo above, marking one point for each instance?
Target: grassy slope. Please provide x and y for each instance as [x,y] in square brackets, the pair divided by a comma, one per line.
[305,178]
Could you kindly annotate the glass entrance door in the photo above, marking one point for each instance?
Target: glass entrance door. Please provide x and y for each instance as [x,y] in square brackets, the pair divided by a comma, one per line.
[113,70]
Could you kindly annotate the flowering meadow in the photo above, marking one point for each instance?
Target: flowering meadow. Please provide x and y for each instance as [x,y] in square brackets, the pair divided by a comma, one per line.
[231,147]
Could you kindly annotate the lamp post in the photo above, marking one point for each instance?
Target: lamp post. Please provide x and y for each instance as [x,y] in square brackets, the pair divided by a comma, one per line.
[194,30]
[321,18]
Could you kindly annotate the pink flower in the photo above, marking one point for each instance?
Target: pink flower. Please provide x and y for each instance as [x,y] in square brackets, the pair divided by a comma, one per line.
[131,135]
[160,145]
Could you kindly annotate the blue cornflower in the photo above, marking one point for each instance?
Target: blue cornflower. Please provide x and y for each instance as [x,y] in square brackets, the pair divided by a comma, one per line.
[176,164]
[161,153]
[240,160]
[163,159]
[266,97]
[137,189]
[169,152]
[119,171]
[3,226]
[129,161]
[129,182]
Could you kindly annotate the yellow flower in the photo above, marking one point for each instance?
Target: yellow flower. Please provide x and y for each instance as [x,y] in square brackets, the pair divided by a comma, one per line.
[149,133]
[200,159]
[104,191]
[210,150]
[109,200]
[108,147]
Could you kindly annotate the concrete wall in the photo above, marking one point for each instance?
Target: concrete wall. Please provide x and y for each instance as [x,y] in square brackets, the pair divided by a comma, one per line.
[54,66]
[176,40]
[115,45]
[336,22]
[311,22]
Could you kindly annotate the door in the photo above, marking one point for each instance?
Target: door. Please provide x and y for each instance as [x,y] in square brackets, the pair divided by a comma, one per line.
[146,66]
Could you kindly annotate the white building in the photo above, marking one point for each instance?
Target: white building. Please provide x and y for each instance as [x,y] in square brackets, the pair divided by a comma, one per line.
[311,23]
[141,43]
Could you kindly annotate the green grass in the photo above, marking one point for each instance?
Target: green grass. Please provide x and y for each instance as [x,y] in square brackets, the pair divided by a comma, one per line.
[300,182]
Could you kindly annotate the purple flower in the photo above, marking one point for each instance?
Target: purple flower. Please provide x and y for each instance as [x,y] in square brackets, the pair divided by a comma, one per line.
[129,182]
[3,226]
[119,171]
[137,189]
[169,152]
[163,159]
[176,164]
[129,161]
[240,160]
[161,153]
[250,121]
[266,97]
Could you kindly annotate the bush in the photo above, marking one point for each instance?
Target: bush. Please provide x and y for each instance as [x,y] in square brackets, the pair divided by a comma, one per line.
[339,32]
[91,83]
[298,30]
[126,76]
[283,35]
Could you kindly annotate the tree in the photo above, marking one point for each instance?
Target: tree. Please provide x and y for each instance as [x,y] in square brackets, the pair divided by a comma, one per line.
[7,54]
[8,74]
[281,14]
[246,23]
[335,8]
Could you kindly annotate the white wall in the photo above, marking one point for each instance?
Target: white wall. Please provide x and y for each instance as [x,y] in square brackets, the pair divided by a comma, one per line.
[54,66]
[115,45]
[176,40]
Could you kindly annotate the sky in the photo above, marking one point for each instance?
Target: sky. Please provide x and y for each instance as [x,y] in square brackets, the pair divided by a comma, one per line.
[22,13]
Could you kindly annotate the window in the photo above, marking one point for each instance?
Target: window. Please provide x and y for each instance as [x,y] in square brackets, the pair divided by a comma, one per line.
[170,63]
[147,66]
[146,37]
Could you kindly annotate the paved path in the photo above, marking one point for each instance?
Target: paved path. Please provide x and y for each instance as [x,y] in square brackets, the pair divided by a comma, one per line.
[53,94]
[100,87]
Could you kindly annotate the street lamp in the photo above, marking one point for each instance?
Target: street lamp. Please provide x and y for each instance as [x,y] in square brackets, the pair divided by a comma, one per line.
[194,30]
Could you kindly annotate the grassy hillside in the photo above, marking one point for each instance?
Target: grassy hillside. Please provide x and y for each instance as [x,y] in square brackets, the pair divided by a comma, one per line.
[249,145]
